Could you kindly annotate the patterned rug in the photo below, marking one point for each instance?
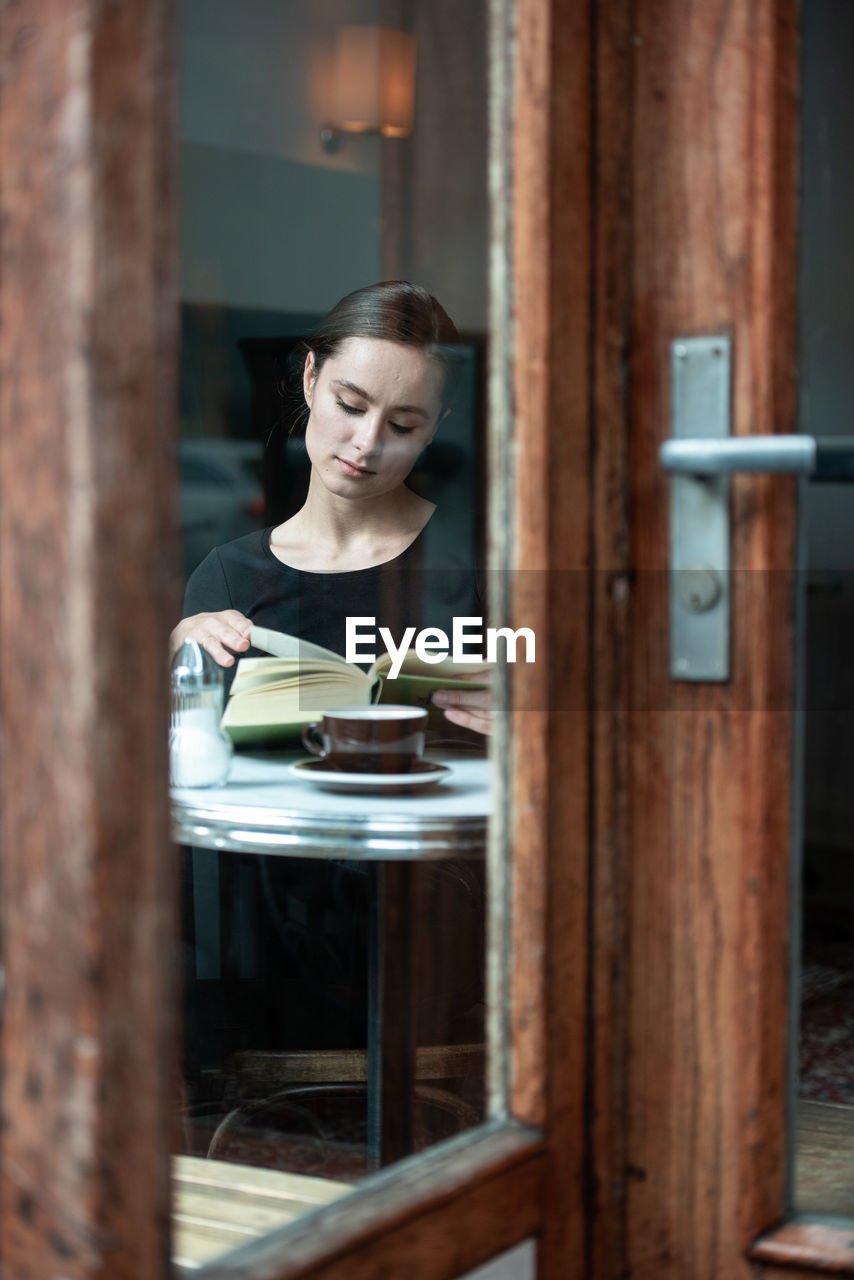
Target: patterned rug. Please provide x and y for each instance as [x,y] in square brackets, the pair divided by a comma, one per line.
[826,1066]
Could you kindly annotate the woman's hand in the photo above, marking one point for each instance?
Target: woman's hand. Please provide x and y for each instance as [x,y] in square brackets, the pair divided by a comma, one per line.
[219,633]
[469,708]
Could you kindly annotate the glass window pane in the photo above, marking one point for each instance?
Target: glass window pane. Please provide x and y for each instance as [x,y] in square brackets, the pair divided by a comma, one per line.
[824,1126]
[334,886]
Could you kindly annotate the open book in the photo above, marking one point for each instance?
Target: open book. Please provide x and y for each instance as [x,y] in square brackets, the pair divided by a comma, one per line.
[272,699]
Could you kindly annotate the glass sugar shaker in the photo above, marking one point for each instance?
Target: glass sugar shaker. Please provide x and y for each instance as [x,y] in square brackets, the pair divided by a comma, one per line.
[199,750]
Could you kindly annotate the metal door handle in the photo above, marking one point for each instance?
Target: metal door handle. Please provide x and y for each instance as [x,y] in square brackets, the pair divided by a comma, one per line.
[700,457]
[829,458]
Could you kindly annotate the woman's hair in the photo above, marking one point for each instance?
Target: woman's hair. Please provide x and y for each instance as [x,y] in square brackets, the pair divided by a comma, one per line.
[396,311]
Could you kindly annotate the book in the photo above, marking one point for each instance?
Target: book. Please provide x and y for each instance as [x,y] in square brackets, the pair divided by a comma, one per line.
[273,698]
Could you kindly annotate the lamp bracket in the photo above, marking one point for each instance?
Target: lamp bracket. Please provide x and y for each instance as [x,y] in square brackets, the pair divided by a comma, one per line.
[330,138]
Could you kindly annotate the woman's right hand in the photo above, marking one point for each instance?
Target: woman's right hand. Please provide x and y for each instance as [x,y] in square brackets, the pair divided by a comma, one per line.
[223,634]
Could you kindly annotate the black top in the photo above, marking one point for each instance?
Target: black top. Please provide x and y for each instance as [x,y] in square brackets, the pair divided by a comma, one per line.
[413,589]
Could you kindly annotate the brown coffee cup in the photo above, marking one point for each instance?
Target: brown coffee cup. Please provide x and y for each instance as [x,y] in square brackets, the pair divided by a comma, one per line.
[378,739]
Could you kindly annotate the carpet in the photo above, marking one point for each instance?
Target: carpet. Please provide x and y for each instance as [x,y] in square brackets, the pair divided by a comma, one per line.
[826,1049]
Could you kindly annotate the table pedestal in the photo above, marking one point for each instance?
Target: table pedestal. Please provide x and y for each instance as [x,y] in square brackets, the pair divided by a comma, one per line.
[391,1006]
[266,810]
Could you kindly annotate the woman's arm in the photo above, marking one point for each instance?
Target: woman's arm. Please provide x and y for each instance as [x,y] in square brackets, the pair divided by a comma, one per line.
[469,708]
[209,615]
[222,633]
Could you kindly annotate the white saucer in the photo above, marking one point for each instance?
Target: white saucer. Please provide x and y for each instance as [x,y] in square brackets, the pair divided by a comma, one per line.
[319,772]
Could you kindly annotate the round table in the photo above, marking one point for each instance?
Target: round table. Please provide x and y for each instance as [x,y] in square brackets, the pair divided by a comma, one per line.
[265,809]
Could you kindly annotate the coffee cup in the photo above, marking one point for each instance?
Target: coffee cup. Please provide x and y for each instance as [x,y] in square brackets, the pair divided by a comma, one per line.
[376,739]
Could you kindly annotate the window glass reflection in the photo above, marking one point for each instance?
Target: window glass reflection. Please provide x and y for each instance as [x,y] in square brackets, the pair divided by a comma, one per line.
[334,896]
[824,1114]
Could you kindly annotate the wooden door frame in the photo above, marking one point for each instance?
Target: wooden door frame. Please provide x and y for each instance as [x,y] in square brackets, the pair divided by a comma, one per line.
[696,200]
[523,1174]
[590,265]
[88,355]
[87,125]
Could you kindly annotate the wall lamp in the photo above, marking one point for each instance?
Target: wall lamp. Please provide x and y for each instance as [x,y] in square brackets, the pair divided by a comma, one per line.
[373,84]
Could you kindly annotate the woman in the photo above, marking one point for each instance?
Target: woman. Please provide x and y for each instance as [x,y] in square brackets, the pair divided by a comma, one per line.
[377,381]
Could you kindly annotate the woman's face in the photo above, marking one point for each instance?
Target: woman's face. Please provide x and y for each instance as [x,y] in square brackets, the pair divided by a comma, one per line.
[373,407]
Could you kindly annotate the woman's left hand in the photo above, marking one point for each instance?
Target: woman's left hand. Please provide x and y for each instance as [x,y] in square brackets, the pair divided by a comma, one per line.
[469,708]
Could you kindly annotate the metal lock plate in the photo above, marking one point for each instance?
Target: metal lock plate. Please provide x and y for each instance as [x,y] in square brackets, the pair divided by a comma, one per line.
[699,514]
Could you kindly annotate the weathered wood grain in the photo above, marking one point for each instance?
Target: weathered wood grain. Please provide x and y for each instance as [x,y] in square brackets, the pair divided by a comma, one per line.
[611,866]
[798,1250]
[217,1207]
[552,558]
[281,1067]
[824,1158]
[430,1218]
[714,203]
[87,586]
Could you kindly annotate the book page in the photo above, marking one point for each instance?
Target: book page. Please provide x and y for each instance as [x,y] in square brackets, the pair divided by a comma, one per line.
[281,645]
[257,676]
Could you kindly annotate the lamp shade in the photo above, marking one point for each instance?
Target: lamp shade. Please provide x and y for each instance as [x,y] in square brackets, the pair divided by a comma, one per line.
[374,81]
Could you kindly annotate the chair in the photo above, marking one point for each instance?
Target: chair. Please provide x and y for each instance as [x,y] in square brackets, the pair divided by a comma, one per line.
[307,1112]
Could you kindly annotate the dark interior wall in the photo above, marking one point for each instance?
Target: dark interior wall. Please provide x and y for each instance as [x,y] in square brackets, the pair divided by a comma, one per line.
[826,407]
[826,284]
[434,183]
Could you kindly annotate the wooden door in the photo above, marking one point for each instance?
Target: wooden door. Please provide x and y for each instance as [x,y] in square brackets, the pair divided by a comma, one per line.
[697,216]
[644,187]
[710,765]
[87,595]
